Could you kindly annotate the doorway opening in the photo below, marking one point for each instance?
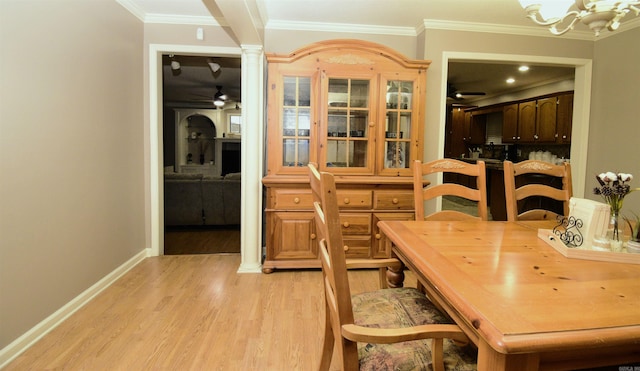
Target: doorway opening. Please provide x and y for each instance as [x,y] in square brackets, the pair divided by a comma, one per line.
[202,185]
[581,102]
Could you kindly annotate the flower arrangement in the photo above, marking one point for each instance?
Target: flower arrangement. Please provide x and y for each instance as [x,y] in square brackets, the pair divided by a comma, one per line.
[613,188]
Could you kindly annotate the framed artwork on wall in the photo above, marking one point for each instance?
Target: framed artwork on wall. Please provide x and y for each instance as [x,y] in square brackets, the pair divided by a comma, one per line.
[234,123]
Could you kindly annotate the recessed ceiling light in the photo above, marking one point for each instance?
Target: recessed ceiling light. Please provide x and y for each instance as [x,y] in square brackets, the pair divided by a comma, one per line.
[511,80]
[523,68]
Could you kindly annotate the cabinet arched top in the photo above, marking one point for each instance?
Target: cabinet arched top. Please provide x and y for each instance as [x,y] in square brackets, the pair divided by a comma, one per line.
[340,52]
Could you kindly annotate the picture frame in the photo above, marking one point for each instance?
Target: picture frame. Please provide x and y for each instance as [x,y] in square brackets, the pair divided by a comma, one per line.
[234,123]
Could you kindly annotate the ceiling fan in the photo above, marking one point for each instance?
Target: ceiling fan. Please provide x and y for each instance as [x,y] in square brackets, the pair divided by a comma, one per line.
[454,93]
[219,98]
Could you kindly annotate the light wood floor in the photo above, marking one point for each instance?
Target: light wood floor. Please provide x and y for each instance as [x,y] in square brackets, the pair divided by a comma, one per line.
[194,312]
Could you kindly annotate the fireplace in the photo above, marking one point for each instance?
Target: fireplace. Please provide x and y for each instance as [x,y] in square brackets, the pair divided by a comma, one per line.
[230,157]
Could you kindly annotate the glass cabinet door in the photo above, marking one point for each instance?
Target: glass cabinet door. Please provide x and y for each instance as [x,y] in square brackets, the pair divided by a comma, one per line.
[348,137]
[398,124]
[296,121]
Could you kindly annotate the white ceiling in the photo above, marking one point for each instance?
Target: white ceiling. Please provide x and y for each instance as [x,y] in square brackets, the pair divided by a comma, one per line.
[404,17]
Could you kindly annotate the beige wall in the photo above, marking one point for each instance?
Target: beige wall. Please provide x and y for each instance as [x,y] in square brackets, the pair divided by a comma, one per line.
[71,143]
[614,142]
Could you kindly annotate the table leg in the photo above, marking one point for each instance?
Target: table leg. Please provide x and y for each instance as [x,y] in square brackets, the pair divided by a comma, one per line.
[395,276]
[490,360]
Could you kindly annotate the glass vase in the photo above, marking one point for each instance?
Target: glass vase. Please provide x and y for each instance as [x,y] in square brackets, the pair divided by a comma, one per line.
[614,226]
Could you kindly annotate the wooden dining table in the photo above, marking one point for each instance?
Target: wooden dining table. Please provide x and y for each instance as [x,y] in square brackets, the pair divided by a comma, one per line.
[524,305]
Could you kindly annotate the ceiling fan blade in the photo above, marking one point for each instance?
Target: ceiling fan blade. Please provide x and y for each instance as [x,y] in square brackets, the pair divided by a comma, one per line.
[471,93]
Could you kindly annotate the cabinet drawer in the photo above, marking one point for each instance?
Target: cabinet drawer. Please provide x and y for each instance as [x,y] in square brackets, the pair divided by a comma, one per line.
[354,199]
[355,223]
[357,247]
[393,200]
[292,199]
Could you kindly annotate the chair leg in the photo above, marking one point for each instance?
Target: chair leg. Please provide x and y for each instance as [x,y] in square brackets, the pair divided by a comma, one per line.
[382,275]
[327,344]
[437,354]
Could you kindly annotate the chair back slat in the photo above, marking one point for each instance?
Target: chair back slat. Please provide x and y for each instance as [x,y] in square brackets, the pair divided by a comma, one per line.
[447,165]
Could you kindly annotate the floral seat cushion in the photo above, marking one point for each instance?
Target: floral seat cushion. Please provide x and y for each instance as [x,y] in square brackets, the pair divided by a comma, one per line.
[404,307]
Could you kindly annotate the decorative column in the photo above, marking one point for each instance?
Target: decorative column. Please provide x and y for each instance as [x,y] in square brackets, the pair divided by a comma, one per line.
[252,154]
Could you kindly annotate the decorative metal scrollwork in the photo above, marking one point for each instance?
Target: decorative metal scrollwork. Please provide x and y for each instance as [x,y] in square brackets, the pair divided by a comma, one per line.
[568,230]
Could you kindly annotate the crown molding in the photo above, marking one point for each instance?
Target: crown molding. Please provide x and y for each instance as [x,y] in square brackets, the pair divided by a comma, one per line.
[167,18]
[340,27]
[183,19]
[502,29]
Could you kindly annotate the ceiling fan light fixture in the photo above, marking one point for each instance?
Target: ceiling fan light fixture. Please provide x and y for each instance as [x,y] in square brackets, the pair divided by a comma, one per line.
[561,15]
[218,103]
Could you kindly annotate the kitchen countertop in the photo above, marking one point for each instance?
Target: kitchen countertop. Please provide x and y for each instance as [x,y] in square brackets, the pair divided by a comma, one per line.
[490,163]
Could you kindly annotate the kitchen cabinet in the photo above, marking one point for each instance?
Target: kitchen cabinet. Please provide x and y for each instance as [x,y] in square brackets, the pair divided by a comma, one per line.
[527,121]
[510,123]
[546,120]
[538,120]
[475,128]
[355,108]
[564,118]
[454,140]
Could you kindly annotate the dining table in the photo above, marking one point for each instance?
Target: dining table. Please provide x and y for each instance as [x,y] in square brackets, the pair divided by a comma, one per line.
[522,303]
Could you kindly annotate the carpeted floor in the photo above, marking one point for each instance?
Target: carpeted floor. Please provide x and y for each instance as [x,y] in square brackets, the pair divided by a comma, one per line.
[201,240]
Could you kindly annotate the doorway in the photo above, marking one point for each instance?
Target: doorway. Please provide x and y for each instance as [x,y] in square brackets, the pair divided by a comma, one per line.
[582,97]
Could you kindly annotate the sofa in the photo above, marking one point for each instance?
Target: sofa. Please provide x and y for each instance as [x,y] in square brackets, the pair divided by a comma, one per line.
[197,200]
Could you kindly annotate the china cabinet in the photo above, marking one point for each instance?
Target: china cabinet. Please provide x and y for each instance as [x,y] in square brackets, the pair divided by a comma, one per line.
[356,109]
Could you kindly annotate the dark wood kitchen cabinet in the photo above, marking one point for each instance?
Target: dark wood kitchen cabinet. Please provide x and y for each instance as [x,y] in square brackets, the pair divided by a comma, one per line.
[533,121]
[546,120]
[454,141]
[510,123]
[564,118]
[475,128]
[526,121]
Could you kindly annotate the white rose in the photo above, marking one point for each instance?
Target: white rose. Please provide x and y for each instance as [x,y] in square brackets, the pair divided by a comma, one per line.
[624,177]
[612,177]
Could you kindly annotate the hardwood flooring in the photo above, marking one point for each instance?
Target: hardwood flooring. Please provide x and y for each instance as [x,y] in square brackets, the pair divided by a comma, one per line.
[194,312]
[179,241]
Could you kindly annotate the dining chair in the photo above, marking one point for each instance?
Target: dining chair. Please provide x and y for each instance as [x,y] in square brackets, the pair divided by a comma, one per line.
[391,328]
[515,194]
[448,165]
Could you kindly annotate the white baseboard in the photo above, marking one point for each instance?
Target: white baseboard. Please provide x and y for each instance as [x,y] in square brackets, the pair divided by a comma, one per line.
[13,350]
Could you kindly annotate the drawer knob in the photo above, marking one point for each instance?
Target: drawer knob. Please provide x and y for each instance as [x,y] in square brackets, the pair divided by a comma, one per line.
[296,200]
[346,224]
[346,248]
[346,200]
[395,201]
[378,236]
[313,236]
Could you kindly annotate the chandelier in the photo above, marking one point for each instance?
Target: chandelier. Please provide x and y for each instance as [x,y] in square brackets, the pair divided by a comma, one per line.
[562,15]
